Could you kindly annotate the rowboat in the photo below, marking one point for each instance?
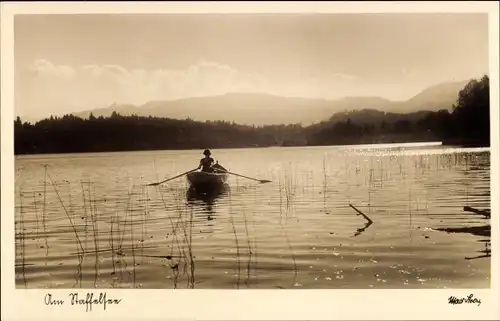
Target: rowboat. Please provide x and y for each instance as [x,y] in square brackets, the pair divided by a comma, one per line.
[208,181]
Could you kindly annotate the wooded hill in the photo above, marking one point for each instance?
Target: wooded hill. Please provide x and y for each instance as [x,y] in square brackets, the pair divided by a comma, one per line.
[467,122]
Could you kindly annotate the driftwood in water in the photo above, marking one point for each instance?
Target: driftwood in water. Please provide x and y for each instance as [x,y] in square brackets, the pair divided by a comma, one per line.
[484,230]
[485,213]
[368,223]
[361,213]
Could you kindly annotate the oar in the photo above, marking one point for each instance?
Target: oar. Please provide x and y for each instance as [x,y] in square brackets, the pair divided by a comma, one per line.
[158,183]
[255,179]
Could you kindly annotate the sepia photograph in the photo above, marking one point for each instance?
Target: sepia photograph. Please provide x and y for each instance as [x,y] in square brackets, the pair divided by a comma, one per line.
[229,160]
[252,151]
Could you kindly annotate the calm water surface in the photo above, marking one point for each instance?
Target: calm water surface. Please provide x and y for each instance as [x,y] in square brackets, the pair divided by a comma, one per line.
[87,220]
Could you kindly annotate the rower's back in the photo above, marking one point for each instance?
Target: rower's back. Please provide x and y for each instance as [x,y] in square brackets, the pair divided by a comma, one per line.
[206,164]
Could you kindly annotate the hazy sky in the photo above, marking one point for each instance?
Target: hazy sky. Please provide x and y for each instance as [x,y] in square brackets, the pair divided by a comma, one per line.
[69,63]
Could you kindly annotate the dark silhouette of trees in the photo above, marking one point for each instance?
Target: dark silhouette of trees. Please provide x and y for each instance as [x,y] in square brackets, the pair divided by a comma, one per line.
[467,124]
[471,114]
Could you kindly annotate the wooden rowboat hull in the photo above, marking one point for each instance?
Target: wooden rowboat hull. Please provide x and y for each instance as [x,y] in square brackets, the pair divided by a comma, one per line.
[207,181]
[202,181]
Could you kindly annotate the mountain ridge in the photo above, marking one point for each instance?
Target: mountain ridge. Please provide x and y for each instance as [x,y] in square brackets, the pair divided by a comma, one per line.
[268,109]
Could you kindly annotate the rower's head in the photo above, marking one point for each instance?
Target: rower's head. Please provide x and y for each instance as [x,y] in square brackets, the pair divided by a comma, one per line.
[207,152]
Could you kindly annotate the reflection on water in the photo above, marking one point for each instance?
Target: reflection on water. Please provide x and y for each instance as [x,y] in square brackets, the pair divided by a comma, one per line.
[204,202]
[331,218]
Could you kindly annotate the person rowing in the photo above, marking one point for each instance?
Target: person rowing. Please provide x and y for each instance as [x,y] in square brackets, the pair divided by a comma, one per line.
[207,162]
[207,165]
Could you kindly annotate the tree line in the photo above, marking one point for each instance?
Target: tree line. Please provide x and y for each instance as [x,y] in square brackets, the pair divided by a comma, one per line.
[467,123]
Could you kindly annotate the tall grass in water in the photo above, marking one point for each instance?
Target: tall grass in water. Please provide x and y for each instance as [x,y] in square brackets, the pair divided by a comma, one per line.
[145,197]
[80,248]
[290,189]
[182,256]
[44,211]
[410,217]
[249,248]
[86,216]
[324,182]
[466,181]
[36,216]
[80,254]
[255,250]
[95,229]
[121,239]
[131,223]
[238,267]
[22,240]
[280,188]
[112,243]
[67,215]
[177,239]
[346,180]
[117,246]
[292,256]
[187,230]
[190,248]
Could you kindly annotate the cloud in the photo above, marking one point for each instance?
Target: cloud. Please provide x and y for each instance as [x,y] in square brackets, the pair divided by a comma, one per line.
[42,68]
[344,76]
[48,88]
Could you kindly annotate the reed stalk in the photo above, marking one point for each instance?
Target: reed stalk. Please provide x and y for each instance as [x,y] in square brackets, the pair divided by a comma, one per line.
[186,243]
[466,182]
[85,214]
[132,242]
[255,252]
[381,173]
[36,216]
[112,244]
[80,255]
[410,215]
[249,249]
[281,197]
[95,228]
[143,222]
[238,267]
[290,248]
[324,182]
[191,248]
[23,241]
[67,214]
[182,222]
[119,251]
[175,238]
[44,222]
[127,210]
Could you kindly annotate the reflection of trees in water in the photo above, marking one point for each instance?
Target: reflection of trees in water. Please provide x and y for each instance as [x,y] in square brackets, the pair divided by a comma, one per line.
[474,176]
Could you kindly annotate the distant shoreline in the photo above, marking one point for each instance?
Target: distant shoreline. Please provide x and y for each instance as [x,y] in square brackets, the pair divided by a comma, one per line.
[410,145]
[467,125]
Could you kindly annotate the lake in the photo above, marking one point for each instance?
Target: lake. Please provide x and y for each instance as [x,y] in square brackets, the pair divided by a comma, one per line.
[88,220]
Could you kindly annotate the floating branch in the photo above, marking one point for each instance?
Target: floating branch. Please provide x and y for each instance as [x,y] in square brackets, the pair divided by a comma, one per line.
[486,251]
[361,230]
[361,213]
[485,213]
[478,257]
[368,223]
[484,230]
